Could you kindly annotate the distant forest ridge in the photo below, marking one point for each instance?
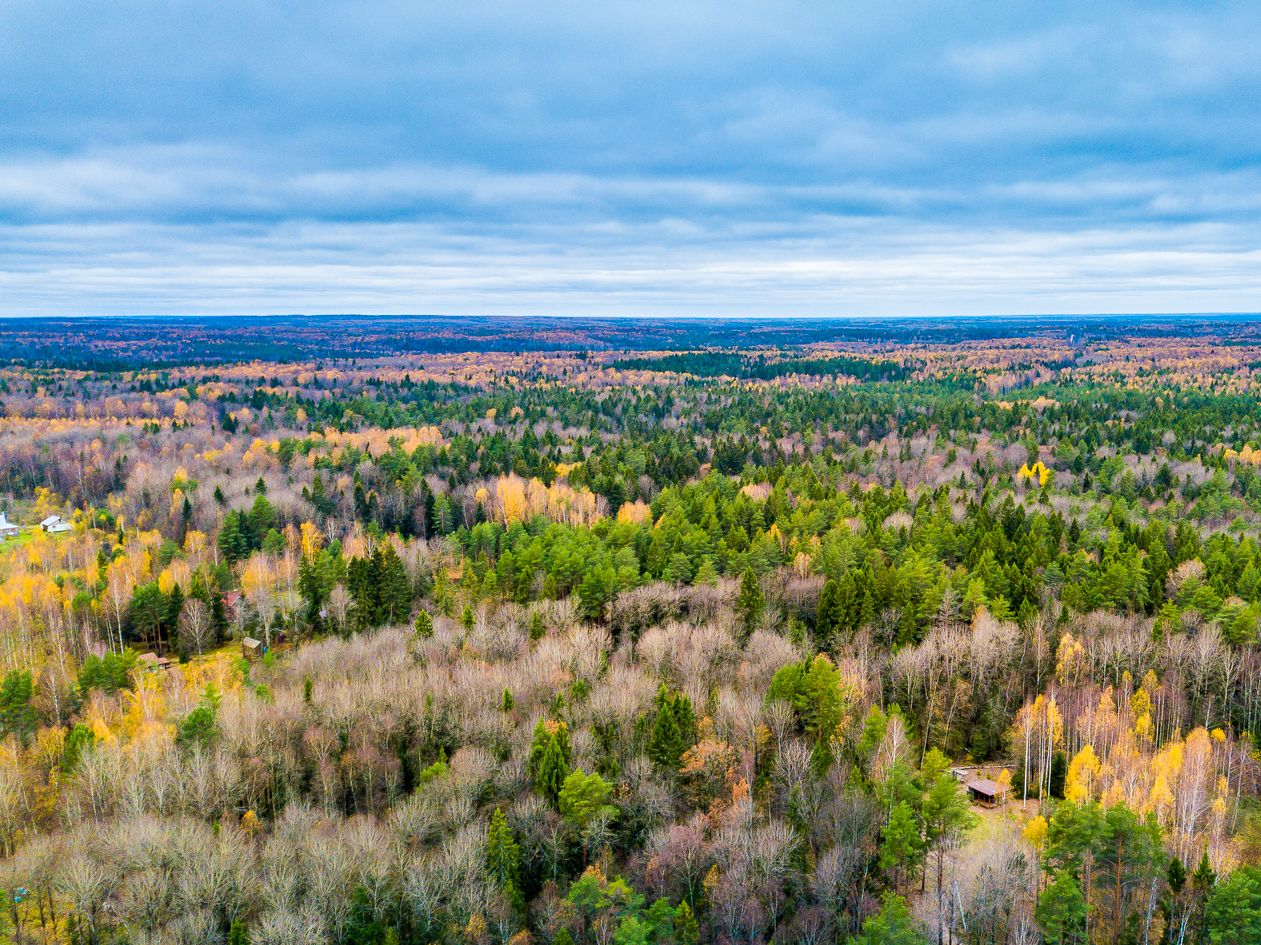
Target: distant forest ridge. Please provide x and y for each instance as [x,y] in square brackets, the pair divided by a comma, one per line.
[120,343]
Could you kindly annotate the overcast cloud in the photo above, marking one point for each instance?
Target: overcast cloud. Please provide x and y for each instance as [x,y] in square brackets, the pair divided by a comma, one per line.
[652,158]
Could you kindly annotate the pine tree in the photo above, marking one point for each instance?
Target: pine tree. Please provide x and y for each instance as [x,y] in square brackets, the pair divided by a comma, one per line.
[947,815]
[1061,911]
[549,763]
[750,603]
[17,715]
[901,845]
[503,859]
[678,570]
[706,573]
[394,590]
[673,729]
[830,615]
[1233,911]
[262,515]
[687,930]
[312,587]
[424,625]
[892,925]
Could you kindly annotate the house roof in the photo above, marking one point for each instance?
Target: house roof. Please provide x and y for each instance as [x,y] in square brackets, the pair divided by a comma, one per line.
[51,520]
[987,787]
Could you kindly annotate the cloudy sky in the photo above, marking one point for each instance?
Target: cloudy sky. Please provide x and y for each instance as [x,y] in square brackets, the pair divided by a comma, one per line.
[693,158]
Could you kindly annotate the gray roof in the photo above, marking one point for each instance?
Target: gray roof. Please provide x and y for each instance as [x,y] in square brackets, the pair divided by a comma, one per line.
[987,787]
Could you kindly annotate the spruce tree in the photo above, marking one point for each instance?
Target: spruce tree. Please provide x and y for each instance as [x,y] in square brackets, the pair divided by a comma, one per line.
[424,624]
[673,729]
[750,603]
[549,763]
[394,590]
[503,859]
[830,615]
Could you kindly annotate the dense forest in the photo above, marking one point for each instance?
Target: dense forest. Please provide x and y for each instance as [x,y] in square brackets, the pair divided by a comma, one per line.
[942,635]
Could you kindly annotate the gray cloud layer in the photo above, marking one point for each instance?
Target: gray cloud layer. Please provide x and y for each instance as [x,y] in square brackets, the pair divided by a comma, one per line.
[660,159]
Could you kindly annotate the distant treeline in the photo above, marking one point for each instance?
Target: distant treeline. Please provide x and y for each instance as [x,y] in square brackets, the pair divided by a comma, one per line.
[760,367]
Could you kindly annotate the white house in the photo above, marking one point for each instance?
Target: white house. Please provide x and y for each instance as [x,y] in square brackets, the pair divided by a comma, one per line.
[7,528]
[55,524]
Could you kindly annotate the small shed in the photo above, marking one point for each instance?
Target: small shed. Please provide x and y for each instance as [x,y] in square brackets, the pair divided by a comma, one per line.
[55,525]
[252,649]
[987,793]
[153,661]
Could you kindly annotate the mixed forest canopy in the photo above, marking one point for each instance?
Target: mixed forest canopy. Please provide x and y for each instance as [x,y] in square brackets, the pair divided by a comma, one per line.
[607,633]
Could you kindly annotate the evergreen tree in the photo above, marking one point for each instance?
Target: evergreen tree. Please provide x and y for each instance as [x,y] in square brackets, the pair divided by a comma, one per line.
[424,625]
[17,715]
[673,729]
[901,845]
[830,617]
[687,930]
[394,594]
[549,764]
[947,815]
[584,797]
[1061,911]
[750,603]
[892,925]
[706,573]
[174,607]
[1233,911]
[503,859]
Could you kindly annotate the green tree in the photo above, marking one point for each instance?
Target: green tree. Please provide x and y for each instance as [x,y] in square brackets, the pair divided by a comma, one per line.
[673,729]
[678,570]
[892,925]
[596,591]
[750,603]
[706,573]
[145,613]
[424,624]
[632,930]
[1233,912]
[1061,911]
[947,815]
[394,590]
[200,728]
[901,844]
[549,764]
[79,740]
[830,616]
[503,859]
[17,715]
[687,930]
[820,699]
[584,797]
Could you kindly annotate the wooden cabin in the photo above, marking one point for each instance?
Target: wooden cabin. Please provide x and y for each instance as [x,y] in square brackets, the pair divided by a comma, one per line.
[987,793]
